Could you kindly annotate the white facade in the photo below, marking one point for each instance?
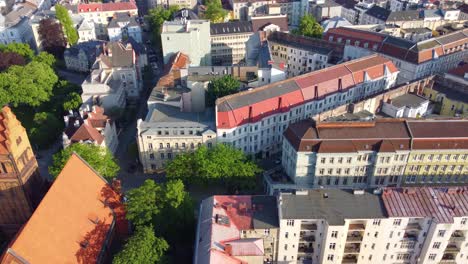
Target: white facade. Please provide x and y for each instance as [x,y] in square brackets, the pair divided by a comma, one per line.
[86,31]
[405,111]
[103,88]
[191,38]
[15,26]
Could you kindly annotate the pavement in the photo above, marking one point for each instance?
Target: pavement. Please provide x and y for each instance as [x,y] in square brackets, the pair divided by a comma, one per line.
[73,77]
[44,159]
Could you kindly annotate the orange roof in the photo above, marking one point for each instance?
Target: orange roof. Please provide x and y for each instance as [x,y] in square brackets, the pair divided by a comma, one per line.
[87,132]
[71,223]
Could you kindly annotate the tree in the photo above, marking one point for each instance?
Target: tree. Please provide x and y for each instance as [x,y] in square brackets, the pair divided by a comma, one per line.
[142,203]
[8,59]
[99,158]
[309,27]
[220,87]
[31,84]
[156,18]
[222,162]
[19,48]
[64,17]
[46,58]
[52,37]
[46,128]
[215,11]
[73,101]
[143,247]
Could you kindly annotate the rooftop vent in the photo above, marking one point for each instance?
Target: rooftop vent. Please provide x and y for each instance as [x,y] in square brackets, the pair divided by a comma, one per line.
[325,195]
[222,220]
[358,192]
[301,192]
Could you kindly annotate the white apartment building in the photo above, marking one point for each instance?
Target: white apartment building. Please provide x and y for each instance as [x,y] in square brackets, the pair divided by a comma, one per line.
[406,106]
[167,3]
[414,60]
[123,26]
[15,27]
[255,120]
[168,132]
[100,13]
[190,37]
[86,31]
[228,42]
[104,89]
[400,225]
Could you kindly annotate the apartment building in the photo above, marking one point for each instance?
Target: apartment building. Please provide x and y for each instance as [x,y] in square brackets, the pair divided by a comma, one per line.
[14,23]
[400,225]
[255,120]
[82,56]
[237,229]
[101,13]
[406,106]
[168,132]
[123,26]
[384,152]
[190,37]
[393,225]
[299,55]
[228,42]
[190,4]
[414,60]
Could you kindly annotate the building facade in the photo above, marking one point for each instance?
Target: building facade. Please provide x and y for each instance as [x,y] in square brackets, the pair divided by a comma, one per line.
[123,26]
[255,120]
[228,42]
[406,106]
[175,36]
[377,153]
[21,185]
[414,60]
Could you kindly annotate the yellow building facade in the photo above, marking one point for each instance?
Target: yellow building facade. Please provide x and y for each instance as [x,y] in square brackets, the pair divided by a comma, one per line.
[448,102]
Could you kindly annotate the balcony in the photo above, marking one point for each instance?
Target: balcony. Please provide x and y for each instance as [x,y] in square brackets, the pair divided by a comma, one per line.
[452,248]
[312,227]
[448,258]
[305,250]
[307,238]
[410,237]
[413,226]
[357,227]
[349,259]
[354,238]
[352,249]
[457,236]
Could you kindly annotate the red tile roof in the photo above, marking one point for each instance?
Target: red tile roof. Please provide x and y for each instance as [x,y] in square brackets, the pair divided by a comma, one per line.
[253,105]
[442,204]
[87,132]
[245,247]
[111,6]
[73,222]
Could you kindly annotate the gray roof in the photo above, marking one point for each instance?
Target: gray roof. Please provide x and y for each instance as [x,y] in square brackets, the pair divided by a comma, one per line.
[452,93]
[92,48]
[378,12]
[267,217]
[164,115]
[417,30]
[432,13]
[122,55]
[123,18]
[19,12]
[304,46]
[234,27]
[408,15]
[340,205]
[409,100]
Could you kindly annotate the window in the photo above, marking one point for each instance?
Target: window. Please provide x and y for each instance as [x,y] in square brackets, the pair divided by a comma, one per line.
[285,246]
[151,156]
[161,145]
[286,235]
[332,246]
[162,155]
[330,257]
[376,234]
[376,222]
[334,234]
[290,222]
[266,232]
[397,222]
[150,146]
[436,245]
[441,233]
[432,256]
[464,221]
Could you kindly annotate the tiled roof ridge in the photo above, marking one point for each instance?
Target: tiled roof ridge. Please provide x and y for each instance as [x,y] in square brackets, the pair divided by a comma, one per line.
[265,87]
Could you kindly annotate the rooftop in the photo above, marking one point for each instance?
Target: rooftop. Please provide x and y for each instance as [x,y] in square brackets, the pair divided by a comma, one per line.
[441,204]
[234,27]
[459,71]
[408,100]
[123,19]
[408,15]
[378,12]
[110,6]
[88,210]
[332,205]
[165,115]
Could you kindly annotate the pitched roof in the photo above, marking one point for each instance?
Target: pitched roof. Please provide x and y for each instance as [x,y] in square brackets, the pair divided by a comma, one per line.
[441,204]
[409,100]
[246,247]
[407,15]
[117,54]
[233,27]
[378,12]
[86,132]
[253,105]
[73,221]
[5,140]
[110,6]
[260,22]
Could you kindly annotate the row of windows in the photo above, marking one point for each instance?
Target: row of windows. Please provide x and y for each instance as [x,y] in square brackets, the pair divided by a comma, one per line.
[437,179]
[176,145]
[439,157]
[441,168]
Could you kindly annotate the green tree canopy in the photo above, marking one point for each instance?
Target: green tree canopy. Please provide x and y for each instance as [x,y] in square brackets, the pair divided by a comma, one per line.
[309,27]
[18,48]
[156,18]
[64,17]
[143,247]
[99,158]
[31,84]
[220,87]
[72,101]
[215,11]
[46,128]
[45,58]
[219,163]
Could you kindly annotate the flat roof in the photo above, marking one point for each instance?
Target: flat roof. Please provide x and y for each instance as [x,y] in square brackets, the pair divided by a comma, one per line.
[340,205]
[409,100]
[163,115]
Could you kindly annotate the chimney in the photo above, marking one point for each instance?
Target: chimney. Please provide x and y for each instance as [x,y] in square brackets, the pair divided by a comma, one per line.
[65,119]
[228,249]
[77,123]
[340,86]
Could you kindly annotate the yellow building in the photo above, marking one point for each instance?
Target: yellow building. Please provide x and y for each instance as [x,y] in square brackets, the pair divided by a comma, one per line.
[448,102]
